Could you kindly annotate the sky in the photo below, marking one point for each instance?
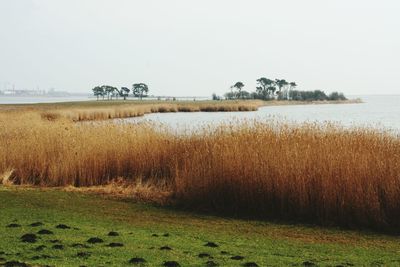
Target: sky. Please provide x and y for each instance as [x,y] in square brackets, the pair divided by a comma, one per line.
[196,48]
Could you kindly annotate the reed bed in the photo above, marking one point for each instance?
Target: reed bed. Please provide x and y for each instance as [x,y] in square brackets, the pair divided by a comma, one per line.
[322,174]
[124,110]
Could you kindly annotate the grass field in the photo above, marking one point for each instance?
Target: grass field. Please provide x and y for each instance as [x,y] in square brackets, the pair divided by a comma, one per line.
[89,215]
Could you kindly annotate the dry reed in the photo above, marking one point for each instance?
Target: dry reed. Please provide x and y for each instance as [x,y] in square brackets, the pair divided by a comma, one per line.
[322,174]
[150,191]
[137,110]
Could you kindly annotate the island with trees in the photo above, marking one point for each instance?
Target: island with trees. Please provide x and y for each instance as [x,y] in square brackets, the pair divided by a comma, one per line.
[278,89]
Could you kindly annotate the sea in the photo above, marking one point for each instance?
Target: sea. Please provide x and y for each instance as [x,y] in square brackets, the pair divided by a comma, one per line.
[377,111]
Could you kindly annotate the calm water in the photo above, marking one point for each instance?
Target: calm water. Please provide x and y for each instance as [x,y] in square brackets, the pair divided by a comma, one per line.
[376,111]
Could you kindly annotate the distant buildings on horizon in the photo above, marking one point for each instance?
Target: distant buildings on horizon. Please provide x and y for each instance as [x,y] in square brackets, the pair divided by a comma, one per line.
[37,92]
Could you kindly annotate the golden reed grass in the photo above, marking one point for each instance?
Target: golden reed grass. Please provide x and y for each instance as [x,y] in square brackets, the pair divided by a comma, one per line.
[320,174]
[125,110]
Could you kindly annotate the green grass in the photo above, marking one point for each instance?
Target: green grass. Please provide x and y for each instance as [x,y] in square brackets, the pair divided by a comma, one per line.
[267,244]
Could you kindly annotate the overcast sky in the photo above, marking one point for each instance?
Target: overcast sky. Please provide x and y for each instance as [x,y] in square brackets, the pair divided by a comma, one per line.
[195,48]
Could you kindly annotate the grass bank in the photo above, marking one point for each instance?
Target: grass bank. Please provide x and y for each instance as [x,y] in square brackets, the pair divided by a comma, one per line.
[144,229]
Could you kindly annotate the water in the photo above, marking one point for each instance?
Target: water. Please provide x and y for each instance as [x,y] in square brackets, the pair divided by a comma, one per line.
[40,99]
[376,111]
[381,112]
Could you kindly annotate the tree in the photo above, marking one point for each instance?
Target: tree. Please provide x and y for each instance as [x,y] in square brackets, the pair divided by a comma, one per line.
[140,90]
[124,92]
[336,96]
[117,92]
[230,95]
[244,94]
[319,95]
[265,88]
[272,89]
[238,86]
[292,86]
[262,88]
[215,97]
[98,91]
[316,95]
[109,90]
[281,84]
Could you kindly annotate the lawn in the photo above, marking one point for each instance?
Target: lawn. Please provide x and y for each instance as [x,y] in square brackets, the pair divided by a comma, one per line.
[164,237]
